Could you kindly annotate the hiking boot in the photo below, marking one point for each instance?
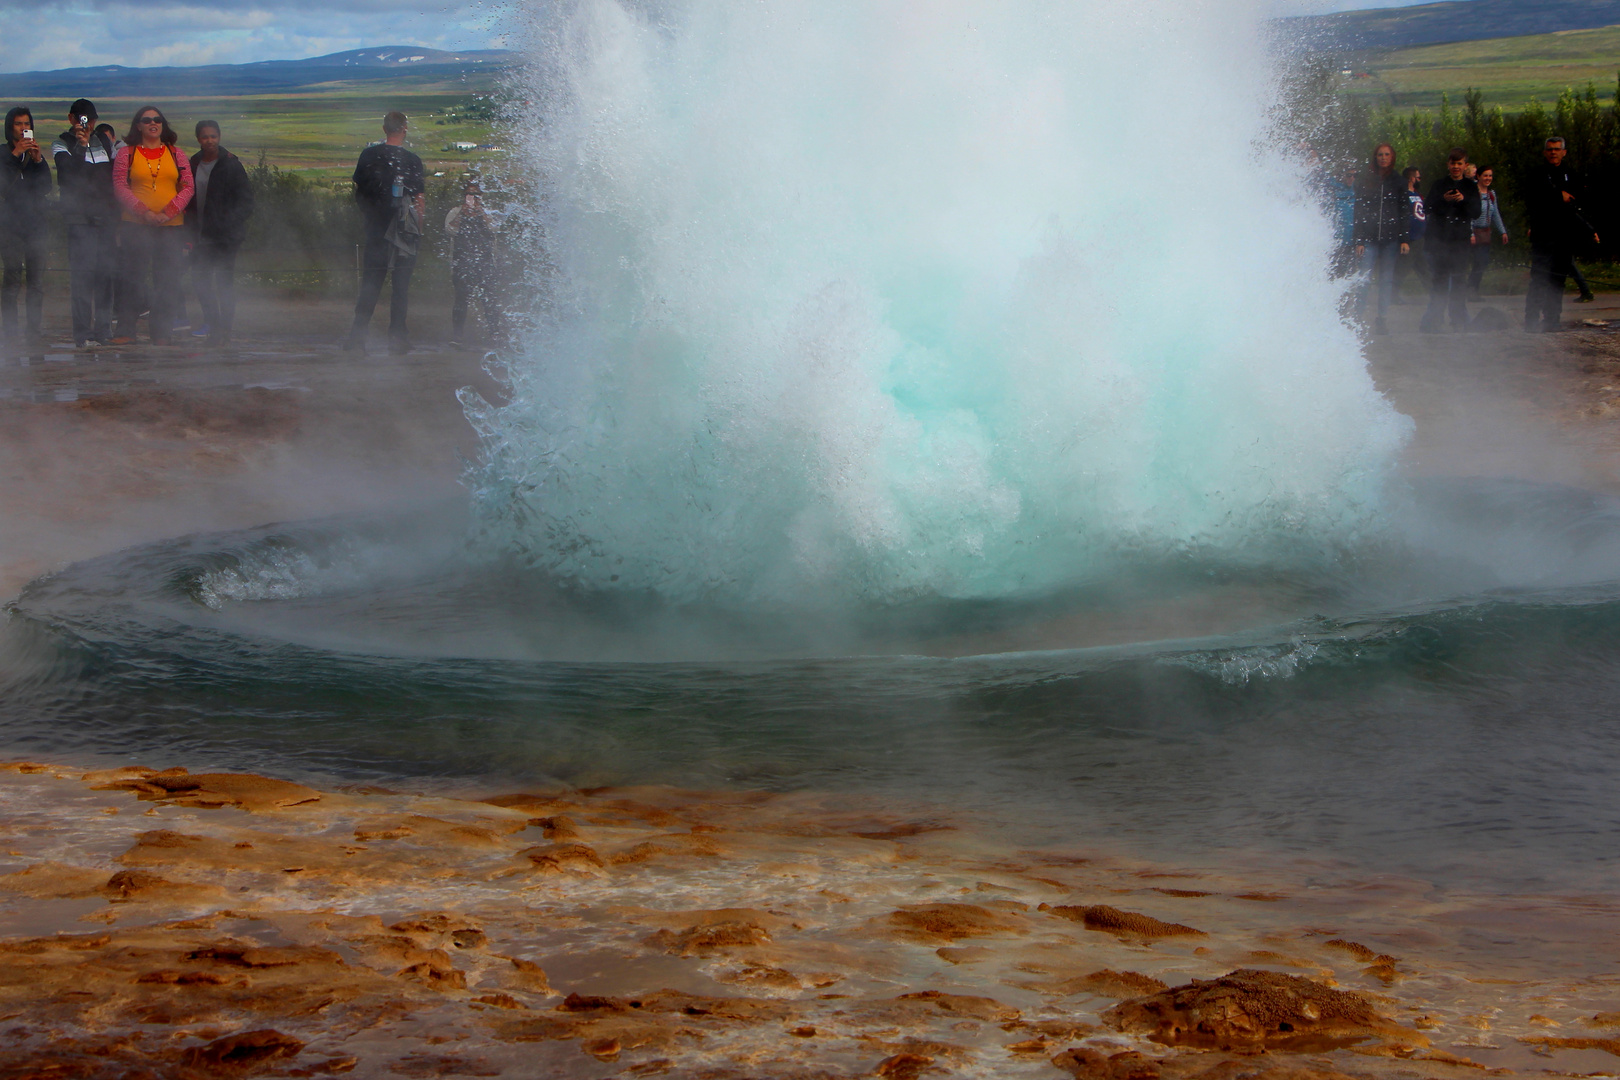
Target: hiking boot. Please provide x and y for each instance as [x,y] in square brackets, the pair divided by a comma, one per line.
[1586,298]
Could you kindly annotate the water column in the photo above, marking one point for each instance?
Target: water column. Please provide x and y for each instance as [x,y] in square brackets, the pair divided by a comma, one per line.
[873,301]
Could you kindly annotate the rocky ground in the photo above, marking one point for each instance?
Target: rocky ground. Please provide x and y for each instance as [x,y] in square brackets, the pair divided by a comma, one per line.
[159,923]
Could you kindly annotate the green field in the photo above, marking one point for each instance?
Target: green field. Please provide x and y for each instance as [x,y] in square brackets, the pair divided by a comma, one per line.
[1510,71]
[318,131]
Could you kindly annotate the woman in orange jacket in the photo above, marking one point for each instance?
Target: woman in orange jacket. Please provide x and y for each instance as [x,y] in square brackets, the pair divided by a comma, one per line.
[152,179]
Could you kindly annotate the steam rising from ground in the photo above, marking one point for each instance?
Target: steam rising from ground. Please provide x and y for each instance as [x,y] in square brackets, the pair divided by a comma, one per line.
[898,299]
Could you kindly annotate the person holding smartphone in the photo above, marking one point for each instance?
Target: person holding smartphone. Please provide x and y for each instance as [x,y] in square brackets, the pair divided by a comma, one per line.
[473,264]
[84,156]
[25,182]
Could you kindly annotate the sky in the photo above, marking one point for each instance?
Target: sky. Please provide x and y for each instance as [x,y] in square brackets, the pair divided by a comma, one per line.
[158,33]
[42,35]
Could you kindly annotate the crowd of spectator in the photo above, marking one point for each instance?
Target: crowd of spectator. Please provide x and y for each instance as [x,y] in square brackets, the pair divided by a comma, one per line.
[1388,223]
[140,214]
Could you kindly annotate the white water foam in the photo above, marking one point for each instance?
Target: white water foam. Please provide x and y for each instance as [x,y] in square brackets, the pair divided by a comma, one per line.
[878,300]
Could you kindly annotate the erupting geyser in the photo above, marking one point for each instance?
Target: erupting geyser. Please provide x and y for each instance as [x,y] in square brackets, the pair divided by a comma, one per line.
[900,299]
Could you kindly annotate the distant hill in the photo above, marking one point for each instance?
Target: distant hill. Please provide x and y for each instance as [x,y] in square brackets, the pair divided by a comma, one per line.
[397,65]
[1383,29]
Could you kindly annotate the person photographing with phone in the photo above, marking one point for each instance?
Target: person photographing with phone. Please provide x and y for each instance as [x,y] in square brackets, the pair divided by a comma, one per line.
[84,156]
[25,183]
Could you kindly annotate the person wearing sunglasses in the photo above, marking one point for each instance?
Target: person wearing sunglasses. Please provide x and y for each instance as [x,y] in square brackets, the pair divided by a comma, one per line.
[152,179]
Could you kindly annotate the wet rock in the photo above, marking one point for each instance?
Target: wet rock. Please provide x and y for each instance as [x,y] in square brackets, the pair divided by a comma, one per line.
[266,956]
[1611,1046]
[1250,1011]
[1086,1064]
[603,1049]
[425,1065]
[54,881]
[527,975]
[246,791]
[965,1005]
[1112,920]
[949,922]
[242,1054]
[903,1066]
[566,859]
[137,885]
[1110,983]
[708,939]
[1359,951]
[559,827]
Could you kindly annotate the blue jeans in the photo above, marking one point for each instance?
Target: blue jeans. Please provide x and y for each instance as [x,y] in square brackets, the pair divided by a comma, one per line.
[1378,263]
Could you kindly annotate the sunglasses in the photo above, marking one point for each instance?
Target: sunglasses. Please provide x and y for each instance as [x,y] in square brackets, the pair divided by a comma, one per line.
[150,120]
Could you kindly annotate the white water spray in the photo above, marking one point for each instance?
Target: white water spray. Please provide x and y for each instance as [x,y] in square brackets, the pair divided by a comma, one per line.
[886,299]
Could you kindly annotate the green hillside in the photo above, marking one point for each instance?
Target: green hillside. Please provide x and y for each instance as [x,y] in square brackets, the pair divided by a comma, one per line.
[1509,70]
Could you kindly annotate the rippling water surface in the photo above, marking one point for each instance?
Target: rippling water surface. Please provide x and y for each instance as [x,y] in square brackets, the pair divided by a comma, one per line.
[1448,714]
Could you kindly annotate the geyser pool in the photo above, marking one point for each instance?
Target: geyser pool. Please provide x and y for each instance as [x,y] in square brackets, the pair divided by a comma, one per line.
[882,301]
[927,401]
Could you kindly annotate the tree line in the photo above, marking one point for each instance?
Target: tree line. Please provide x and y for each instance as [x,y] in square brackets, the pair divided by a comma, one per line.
[1344,129]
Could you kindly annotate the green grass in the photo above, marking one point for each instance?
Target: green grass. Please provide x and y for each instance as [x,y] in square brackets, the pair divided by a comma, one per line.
[1510,71]
[318,131]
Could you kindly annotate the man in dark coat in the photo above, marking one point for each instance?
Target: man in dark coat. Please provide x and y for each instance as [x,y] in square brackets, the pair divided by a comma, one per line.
[1557,229]
[84,166]
[25,182]
[1451,206]
[390,187]
[220,212]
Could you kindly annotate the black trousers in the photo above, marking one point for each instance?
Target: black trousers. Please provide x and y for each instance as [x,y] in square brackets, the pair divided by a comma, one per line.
[149,253]
[213,275]
[1544,300]
[381,257]
[475,280]
[23,255]
[92,268]
[1448,291]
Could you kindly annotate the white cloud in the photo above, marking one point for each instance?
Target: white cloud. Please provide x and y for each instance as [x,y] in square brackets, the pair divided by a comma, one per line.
[151,33]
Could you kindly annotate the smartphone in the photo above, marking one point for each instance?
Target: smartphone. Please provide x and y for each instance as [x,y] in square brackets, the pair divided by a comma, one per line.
[28,134]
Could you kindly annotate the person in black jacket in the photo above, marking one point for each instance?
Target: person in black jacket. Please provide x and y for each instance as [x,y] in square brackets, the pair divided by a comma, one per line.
[1552,195]
[1382,229]
[1452,205]
[84,162]
[25,182]
[220,212]
[389,186]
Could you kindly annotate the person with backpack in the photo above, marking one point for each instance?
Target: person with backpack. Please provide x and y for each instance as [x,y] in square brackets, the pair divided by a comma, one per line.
[220,213]
[25,183]
[390,188]
[1382,230]
[153,182]
[84,157]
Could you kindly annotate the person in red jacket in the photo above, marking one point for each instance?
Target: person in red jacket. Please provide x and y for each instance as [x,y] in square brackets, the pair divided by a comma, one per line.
[152,180]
